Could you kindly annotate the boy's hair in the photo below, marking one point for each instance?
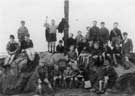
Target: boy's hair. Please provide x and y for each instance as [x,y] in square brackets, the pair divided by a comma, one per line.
[95,21]
[79,31]
[60,41]
[28,35]
[12,36]
[115,23]
[125,33]
[22,21]
[102,22]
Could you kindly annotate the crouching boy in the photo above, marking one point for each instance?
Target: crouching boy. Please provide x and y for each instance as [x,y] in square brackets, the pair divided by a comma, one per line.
[57,78]
[68,77]
[43,82]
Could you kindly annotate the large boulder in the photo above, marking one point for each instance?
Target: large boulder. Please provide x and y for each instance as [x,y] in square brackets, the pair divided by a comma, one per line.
[126,83]
[2,59]
[15,77]
[126,79]
[45,58]
[22,75]
[51,59]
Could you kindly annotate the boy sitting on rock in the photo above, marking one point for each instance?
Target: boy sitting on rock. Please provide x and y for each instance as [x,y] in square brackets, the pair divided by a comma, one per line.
[27,46]
[12,48]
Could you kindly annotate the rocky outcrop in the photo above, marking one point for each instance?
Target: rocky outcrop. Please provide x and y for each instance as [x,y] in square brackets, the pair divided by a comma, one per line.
[15,77]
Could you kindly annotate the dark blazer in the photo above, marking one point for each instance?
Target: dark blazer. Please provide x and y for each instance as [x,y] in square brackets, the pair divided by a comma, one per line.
[127,46]
[104,35]
[115,36]
[71,41]
[94,34]
[60,49]
[26,44]
[115,33]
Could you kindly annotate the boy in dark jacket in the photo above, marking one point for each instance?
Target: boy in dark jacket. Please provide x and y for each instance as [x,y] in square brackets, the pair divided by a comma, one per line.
[71,41]
[79,41]
[83,46]
[94,32]
[97,55]
[104,33]
[72,55]
[27,46]
[60,47]
[115,35]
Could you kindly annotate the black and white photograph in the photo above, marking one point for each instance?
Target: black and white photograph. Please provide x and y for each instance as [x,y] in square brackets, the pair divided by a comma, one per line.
[67,48]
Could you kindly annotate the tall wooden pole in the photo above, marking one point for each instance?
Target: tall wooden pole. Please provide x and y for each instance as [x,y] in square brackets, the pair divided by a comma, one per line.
[66,14]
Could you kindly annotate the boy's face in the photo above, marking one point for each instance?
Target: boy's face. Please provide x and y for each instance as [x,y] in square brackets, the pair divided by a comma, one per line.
[96,46]
[22,23]
[79,32]
[84,41]
[90,44]
[117,45]
[41,64]
[70,35]
[71,48]
[124,36]
[115,25]
[94,23]
[26,38]
[11,39]
[102,25]
[60,44]
[56,67]
[53,22]
[105,44]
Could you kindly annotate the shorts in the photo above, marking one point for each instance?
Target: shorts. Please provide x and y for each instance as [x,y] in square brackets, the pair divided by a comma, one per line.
[52,37]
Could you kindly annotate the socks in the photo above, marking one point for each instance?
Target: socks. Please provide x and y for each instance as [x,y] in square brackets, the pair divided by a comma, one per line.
[51,47]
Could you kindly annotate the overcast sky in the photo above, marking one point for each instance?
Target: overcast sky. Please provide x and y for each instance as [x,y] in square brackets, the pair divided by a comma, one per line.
[82,13]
